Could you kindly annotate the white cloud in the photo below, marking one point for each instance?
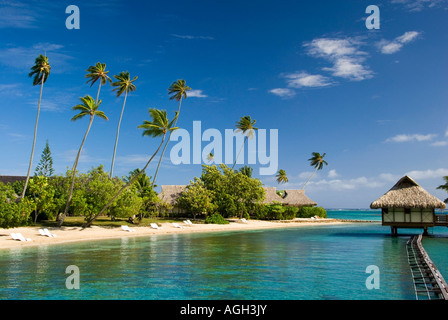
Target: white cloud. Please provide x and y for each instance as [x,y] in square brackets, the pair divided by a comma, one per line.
[427,174]
[283,92]
[196,94]
[439,144]
[446,133]
[419,5]
[411,137]
[333,174]
[191,37]
[303,79]
[345,54]
[390,47]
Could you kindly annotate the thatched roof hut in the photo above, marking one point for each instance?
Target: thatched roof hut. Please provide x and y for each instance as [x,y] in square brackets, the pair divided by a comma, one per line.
[297,198]
[11,179]
[407,193]
[271,195]
[171,193]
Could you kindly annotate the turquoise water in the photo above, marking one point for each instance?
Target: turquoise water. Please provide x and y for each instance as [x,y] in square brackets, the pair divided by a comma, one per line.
[312,263]
[370,215]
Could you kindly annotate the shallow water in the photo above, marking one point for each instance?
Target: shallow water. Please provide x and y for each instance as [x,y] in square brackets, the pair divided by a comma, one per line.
[313,263]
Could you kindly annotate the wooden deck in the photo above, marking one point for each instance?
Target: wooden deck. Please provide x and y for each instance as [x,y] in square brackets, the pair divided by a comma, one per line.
[428,281]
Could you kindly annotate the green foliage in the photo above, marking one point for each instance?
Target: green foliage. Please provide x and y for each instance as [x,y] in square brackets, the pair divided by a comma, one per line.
[42,194]
[45,166]
[444,187]
[196,199]
[308,212]
[216,218]
[235,192]
[13,214]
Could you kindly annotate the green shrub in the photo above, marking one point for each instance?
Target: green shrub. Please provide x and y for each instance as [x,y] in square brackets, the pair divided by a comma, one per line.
[13,214]
[290,213]
[308,212]
[216,218]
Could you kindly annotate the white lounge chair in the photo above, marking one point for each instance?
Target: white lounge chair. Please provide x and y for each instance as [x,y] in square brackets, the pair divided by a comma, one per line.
[126,228]
[188,222]
[243,220]
[48,233]
[19,237]
[176,225]
[155,226]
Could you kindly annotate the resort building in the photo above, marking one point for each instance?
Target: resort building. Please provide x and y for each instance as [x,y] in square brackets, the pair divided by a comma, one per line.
[294,198]
[408,205]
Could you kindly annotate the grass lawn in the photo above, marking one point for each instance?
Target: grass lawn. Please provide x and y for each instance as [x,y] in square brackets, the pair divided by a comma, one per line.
[105,222]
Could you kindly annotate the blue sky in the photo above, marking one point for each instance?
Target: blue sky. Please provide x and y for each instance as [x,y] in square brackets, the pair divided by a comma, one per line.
[375,101]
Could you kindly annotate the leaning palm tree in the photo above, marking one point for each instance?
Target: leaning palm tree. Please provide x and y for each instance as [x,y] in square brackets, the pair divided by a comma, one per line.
[95,73]
[444,187]
[159,126]
[40,71]
[317,161]
[281,176]
[246,126]
[123,84]
[87,107]
[178,91]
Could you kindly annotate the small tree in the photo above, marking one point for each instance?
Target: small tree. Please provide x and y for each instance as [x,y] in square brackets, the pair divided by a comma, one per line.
[197,199]
[43,194]
[45,166]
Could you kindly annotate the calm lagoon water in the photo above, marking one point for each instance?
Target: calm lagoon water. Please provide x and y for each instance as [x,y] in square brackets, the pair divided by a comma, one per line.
[312,263]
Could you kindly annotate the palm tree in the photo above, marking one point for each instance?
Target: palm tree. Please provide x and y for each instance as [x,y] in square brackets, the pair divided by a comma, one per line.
[317,161]
[123,84]
[444,187]
[247,171]
[281,176]
[246,126]
[210,157]
[40,71]
[159,126]
[88,107]
[95,73]
[178,91]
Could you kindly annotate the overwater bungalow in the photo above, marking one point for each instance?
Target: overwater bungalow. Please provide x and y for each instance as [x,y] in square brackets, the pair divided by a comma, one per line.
[408,205]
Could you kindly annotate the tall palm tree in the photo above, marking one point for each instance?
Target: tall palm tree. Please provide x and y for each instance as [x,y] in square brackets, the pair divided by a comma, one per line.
[281,176]
[444,187]
[247,171]
[95,73]
[317,161]
[178,91]
[40,71]
[87,107]
[123,84]
[246,126]
[158,126]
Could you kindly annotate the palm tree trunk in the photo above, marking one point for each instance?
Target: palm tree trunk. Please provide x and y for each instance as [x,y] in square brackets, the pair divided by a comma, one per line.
[89,223]
[98,94]
[34,141]
[310,177]
[166,144]
[61,218]
[118,132]
[239,152]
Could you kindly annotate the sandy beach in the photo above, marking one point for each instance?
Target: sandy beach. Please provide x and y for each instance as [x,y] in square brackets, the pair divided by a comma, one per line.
[74,234]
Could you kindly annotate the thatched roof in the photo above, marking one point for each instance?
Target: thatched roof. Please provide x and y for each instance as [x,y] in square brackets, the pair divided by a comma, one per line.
[407,193]
[271,195]
[292,197]
[11,179]
[297,198]
[170,193]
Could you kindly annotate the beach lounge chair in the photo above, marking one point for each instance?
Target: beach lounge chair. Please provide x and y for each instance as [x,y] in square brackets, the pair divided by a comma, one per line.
[126,228]
[48,233]
[188,222]
[244,220]
[176,225]
[155,226]
[19,237]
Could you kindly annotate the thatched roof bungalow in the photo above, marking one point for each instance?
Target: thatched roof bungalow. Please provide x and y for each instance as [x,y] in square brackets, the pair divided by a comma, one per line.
[297,198]
[408,205]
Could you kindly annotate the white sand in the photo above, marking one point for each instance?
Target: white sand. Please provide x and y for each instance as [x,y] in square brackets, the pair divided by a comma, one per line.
[72,234]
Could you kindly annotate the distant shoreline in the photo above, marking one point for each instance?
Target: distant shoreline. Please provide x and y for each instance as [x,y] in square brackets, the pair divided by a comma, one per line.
[94,233]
